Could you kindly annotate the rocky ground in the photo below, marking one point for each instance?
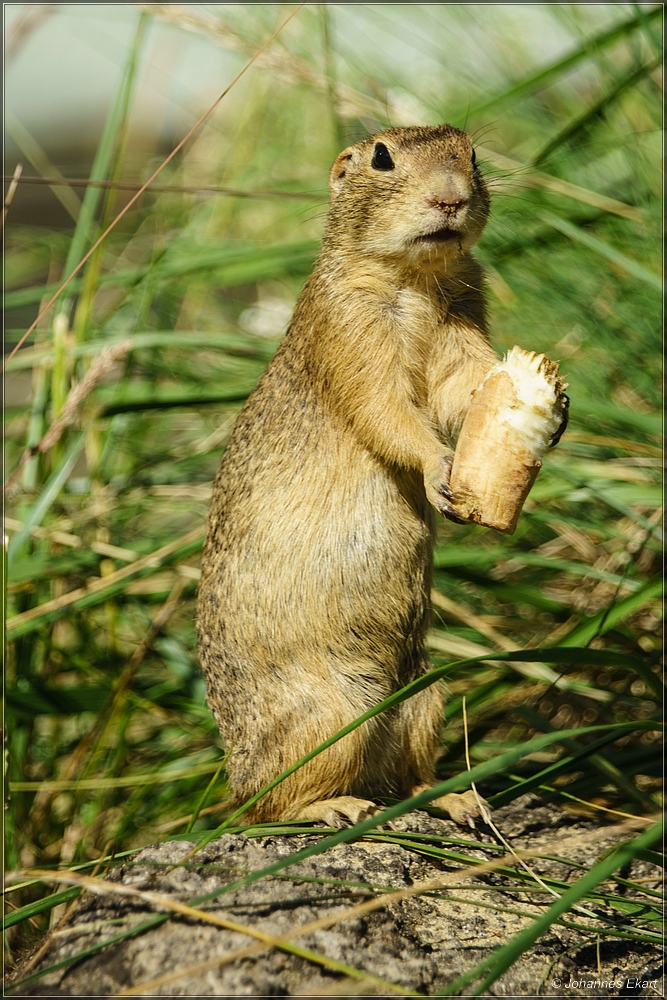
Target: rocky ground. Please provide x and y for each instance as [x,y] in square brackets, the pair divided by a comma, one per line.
[418,942]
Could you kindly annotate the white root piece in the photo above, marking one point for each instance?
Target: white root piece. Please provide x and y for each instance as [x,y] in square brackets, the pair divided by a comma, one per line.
[514,414]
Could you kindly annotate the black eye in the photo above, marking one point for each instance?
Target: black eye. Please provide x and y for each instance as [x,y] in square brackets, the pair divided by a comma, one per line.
[473,158]
[382,158]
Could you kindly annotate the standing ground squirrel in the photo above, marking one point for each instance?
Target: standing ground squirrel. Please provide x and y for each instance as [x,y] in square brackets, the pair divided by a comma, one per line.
[316,574]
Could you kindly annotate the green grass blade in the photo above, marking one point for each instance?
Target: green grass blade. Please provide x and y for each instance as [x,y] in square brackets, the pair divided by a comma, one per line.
[133,398]
[604,411]
[612,616]
[456,784]
[541,79]
[202,800]
[603,249]
[592,115]
[50,491]
[233,264]
[547,774]
[164,339]
[605,768]
[39,906]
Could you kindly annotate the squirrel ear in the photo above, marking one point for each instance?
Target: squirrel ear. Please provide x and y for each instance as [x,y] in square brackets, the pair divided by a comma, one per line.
[338,171]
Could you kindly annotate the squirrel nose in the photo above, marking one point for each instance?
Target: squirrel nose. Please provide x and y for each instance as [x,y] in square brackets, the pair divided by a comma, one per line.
[448,191]
[446,201]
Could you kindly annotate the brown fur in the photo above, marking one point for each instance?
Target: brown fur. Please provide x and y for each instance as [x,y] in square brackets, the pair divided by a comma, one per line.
[314,598]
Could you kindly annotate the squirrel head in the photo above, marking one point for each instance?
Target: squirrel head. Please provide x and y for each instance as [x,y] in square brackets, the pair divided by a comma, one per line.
[412,194]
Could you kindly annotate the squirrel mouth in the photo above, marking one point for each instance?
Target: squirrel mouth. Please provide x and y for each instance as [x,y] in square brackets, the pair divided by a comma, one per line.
[444,235]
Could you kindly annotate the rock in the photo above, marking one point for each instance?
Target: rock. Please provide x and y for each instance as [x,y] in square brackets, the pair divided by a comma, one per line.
[418,943]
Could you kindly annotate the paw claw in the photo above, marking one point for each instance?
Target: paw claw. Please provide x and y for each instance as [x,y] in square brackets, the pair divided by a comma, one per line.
[341,812]
[464,808]
[558,433]
[438,492]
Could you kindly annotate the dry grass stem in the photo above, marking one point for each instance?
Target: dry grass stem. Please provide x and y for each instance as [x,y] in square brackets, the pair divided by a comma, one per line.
[460,647]
[103,583]
[74,541]
[486,815]
[527,177]
[78,182]
[468,617]
[11,190]
[100,368]
[125,781]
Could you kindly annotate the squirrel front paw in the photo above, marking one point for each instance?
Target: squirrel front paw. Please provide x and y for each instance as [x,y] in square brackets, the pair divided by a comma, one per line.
[438,493]
[558,433]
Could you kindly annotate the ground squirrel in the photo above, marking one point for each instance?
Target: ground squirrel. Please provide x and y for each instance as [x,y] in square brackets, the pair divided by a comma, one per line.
[316,573]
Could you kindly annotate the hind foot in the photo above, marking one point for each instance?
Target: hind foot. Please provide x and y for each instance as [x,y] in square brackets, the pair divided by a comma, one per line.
[344,810]
[463,808]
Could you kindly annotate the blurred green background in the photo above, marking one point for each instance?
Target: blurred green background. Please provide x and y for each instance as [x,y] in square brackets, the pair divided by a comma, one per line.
[169,324]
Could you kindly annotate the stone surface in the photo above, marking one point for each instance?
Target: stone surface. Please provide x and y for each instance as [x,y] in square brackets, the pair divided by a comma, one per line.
[418,943]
